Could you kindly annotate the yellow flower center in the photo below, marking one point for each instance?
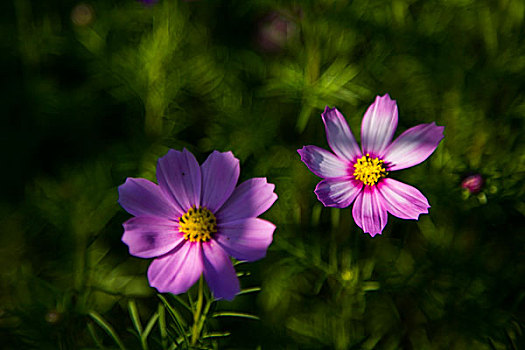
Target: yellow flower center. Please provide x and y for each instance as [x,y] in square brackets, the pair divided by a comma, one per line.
[369,170]
[198,224]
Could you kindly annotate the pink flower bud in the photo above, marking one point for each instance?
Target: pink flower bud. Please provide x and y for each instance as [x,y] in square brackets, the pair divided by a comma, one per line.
[473,183]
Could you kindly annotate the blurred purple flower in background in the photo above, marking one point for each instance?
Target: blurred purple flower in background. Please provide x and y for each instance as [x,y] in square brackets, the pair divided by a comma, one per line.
[148,2]
[352,173]
[473,183]
[274,31]
[194,219]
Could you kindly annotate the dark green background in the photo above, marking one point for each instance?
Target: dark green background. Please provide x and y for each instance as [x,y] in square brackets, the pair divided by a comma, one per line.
[88,101]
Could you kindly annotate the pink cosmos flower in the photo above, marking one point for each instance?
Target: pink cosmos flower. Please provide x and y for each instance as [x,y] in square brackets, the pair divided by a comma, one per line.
[361,174]
[194,219]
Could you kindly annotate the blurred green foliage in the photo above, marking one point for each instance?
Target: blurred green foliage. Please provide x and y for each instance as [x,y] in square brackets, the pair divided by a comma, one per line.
[95,92]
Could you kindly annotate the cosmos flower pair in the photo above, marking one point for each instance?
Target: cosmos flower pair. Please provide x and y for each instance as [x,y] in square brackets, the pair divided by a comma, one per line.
[196,217]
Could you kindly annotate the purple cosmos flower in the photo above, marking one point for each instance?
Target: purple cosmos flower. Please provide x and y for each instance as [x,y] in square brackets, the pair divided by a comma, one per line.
[360,174]
[194,219]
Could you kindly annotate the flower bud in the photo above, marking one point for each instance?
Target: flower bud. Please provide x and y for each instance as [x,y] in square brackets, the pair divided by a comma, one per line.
[473,183]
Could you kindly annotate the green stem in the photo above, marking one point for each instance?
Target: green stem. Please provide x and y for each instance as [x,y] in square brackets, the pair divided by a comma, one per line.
[197,313]
[204,314]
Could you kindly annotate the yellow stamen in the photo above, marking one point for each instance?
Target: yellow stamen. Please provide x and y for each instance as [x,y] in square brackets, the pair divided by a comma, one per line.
[369,170]
[198,224]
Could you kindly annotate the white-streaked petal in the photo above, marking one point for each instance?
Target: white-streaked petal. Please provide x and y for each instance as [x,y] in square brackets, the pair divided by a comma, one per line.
[413,146]
[323,163]
[338,192]
[339,135]
[402,200]
[378,126]
[368,211]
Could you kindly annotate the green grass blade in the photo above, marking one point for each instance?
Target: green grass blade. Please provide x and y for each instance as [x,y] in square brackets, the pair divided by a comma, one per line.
[216,335]
[249,290]
[235,314]
[162,327]
[94,335]
[182,302]
[150,325]
[107,327]
[133,312]
[179,321]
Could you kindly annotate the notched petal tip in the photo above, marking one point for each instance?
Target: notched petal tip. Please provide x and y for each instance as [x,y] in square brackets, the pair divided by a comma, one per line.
[437,129]
[328,112]
[369,213]
[374,234]
[385,98]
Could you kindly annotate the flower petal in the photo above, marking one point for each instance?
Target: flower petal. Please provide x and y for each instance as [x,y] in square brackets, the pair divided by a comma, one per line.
[148,237]
[402,200]
[219,272]
[250,199]
[368,211]
[339,135]
[245,239]
[143,197]
[323,163]
[220,173]
[413,146]
[179,176]
[378,125]
[178,271]
[338,192]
